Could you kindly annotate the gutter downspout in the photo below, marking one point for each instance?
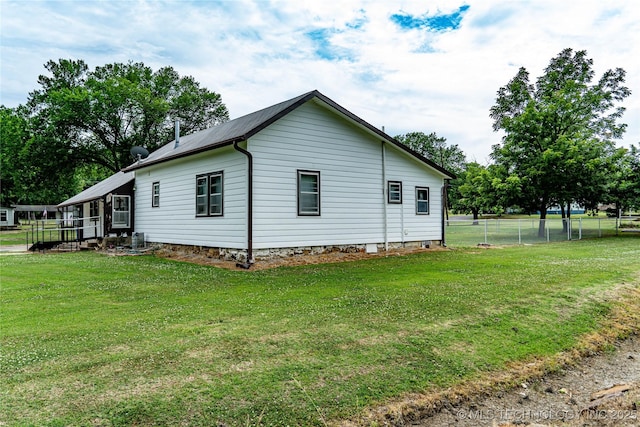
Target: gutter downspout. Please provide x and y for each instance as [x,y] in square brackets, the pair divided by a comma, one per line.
[384,198]
[250,260]
[443,202]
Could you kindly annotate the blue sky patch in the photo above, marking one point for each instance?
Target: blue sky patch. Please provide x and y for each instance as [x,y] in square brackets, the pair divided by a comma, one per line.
[369,77]
[439,22]
[358,23]
[325,49]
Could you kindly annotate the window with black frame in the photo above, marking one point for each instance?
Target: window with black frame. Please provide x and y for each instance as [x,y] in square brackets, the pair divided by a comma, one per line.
[209,194]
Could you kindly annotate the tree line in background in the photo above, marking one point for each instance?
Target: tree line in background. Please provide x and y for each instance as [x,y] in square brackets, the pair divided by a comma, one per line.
[79,126]
[558,145]
[557,149]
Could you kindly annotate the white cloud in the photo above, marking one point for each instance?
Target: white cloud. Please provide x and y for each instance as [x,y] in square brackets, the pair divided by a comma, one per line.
[256,53]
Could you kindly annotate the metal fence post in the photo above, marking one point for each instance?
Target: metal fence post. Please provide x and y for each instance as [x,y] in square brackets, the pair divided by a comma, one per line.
[519,232]
[485,231]
[547,227]
[599,228]
[579,228]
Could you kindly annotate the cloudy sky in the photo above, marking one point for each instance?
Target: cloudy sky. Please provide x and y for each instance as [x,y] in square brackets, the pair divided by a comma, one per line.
[429,66]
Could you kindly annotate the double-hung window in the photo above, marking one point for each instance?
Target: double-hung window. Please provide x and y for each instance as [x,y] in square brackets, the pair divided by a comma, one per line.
[215,194]
[209,194]
[121,211]
[422,200]
[394,192]
[308,193]
[155,196]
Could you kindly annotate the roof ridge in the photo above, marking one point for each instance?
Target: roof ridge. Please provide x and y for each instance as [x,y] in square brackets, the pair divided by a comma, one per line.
[246,126]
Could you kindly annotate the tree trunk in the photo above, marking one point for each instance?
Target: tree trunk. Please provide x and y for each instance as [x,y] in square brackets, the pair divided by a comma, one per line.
[564,217]
[475,216]
[543,220]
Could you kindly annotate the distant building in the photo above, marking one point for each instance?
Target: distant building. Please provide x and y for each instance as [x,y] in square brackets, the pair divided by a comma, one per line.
[7,217]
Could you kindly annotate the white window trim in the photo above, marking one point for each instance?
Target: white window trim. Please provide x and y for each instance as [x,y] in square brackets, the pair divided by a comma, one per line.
[389,192]
[155,195]
[418,201]
[115,224]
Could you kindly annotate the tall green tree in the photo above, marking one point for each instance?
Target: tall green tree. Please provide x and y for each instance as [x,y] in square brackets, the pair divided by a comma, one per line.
[436,149]
[624,182]
[105,112]
[33,168]
[558,132]
[473,191]
[484,189]
[14,135]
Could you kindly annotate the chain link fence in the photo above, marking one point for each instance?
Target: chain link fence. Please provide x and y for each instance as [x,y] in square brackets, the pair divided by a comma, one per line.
[467,232]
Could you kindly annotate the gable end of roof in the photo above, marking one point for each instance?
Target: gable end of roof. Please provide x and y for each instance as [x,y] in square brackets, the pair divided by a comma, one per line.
[243,128]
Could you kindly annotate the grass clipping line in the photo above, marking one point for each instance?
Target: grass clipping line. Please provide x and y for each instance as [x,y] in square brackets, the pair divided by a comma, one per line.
[621,323]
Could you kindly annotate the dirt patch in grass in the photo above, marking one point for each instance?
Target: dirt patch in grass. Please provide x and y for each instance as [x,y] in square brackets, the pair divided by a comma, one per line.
[557,390]
[307,259]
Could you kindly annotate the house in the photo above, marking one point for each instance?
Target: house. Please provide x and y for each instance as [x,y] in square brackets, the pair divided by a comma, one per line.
[576,209]
[302,175]
[103,209]
[7,217]
[30,213]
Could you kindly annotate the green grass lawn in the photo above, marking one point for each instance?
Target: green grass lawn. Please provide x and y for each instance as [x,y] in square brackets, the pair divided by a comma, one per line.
[88,339]
[513,231]
[31,232]
[13,237]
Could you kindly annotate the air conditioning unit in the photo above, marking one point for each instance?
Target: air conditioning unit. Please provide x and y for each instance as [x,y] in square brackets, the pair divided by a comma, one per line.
[137,240]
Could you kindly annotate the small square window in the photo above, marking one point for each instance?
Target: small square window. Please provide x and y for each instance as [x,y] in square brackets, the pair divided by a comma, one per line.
[422,201]
[394,192]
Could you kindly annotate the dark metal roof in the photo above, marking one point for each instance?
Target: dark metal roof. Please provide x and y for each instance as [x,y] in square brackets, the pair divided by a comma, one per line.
[34,208]
[101,189]
[242,128]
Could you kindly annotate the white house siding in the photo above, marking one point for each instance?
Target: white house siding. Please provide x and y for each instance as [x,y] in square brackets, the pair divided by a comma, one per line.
[403,223]
[175,221]
[7,216]
[351,188]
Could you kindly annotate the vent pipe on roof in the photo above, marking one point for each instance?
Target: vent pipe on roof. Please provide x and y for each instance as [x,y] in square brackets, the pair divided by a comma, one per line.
[177,126]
